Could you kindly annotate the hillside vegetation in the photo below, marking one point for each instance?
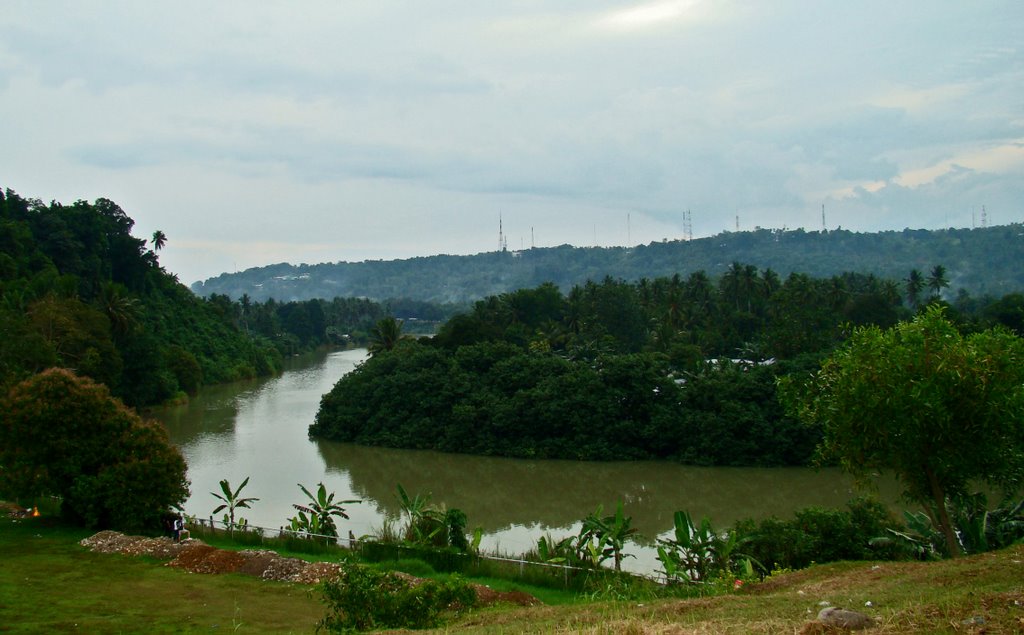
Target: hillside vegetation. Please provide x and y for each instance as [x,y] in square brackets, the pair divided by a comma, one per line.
[984,261]
[79,291]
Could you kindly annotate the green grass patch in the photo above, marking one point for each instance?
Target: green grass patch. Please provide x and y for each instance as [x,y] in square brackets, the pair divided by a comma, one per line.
[49,583]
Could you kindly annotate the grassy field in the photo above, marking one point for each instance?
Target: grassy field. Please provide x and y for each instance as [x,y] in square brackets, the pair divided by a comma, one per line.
[48,583]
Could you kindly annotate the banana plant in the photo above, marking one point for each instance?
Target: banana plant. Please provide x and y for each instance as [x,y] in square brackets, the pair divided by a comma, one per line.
[232,500]
[560,552]
[697,552]
[323,507]
[608,535]
[424,521]
[305,524]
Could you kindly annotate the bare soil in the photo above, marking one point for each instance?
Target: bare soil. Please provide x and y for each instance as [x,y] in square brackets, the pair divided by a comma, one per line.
[195,556]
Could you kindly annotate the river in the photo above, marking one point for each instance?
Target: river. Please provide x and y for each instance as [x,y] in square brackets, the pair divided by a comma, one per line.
[257,429]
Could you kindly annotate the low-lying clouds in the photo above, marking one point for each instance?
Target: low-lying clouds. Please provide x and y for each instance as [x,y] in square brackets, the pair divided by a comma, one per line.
[252,134]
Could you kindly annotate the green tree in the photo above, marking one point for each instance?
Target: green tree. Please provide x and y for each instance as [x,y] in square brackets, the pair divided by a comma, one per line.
[63,435]
[939,409]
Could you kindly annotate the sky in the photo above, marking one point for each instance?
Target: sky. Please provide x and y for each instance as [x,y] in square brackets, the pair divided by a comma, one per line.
[253,133]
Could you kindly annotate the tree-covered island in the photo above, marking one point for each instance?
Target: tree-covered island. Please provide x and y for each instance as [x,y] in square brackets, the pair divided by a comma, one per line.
[671,368]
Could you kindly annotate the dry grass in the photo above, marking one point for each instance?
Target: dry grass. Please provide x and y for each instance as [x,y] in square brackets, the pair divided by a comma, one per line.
[979,594]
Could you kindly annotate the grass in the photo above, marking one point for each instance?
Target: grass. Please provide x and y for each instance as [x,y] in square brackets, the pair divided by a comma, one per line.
[48,583]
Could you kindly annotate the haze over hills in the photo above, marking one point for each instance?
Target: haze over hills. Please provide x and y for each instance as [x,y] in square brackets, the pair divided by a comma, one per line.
[981,261]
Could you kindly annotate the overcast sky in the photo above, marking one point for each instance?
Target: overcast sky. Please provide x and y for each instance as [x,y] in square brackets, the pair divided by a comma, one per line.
[259,132]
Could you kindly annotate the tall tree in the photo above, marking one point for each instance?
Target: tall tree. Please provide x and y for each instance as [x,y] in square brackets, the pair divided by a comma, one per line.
[915,284]
[159,240]
[938,409]
[937,280]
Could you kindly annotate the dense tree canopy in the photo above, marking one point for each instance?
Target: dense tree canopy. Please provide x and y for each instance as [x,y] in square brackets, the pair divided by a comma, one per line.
[939,409]
[63,435]
[83,293]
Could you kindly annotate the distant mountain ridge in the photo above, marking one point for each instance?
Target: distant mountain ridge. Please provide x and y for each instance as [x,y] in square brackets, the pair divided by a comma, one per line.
[981,261]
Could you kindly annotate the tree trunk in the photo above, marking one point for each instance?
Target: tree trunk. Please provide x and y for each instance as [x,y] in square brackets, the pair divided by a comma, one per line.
[942,514]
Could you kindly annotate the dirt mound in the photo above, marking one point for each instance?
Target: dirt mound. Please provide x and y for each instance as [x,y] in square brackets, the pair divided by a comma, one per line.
[318,571]
[206,559]
[285,569]
[257,561]
[162,548]
[486,596]
[196,556]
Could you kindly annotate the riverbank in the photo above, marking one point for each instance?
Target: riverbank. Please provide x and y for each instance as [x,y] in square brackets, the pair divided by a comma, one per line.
[49,582]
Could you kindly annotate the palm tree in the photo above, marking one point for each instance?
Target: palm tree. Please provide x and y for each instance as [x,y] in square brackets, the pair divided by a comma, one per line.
[915,284]
[385,335]
[232,501]
[122,310]
[159,240]
[937,280]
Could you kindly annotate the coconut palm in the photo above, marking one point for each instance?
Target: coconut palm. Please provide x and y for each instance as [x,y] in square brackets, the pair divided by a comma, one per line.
[385,335]
[159,240]
[915,284]
[937,280]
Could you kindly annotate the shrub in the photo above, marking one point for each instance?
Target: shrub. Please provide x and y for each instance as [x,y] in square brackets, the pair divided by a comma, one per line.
[65,436]
[362,599]
[819,535]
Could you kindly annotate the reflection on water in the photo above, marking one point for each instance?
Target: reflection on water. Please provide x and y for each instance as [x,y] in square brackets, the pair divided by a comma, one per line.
[259,429]
[497,493]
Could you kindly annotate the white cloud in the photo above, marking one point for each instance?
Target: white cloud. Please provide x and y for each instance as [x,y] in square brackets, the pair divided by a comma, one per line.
[391,130]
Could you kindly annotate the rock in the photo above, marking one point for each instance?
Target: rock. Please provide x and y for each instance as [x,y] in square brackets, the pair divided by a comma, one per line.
[844,618]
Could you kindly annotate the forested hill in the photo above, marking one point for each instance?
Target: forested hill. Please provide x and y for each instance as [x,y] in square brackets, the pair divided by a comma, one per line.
[984,261]
[78,291]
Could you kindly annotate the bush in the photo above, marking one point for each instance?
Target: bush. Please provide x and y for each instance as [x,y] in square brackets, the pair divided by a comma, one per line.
[819,535]
[62,435]
[363,599]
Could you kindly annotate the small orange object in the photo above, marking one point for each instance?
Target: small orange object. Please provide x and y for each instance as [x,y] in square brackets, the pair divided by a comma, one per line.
[35,511]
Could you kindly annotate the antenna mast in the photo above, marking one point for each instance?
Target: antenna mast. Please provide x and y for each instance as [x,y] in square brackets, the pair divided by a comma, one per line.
[823,228]
[687,225]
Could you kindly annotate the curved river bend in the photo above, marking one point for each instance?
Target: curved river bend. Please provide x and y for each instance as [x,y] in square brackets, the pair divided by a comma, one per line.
[258,429]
